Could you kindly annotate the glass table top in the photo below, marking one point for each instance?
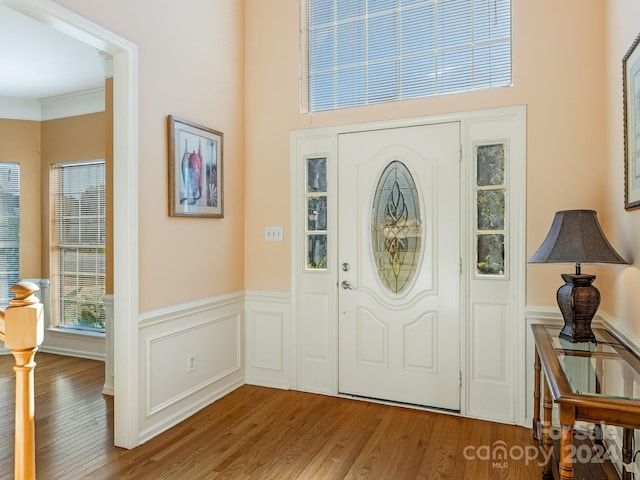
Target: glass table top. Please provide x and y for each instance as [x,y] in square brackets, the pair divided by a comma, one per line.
[603,344]
[609,376]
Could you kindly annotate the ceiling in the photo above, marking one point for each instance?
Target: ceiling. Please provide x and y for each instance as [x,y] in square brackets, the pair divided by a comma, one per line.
[37,61]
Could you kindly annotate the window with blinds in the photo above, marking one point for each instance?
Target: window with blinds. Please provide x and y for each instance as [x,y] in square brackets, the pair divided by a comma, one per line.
[78,244]
[359,52]
[9,230]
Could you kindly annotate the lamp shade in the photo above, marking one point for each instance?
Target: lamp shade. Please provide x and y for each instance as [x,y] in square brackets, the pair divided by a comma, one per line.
[576,237]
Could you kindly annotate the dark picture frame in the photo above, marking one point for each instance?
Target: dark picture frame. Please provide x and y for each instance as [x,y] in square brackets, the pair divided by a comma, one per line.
[195,169]
[631,109]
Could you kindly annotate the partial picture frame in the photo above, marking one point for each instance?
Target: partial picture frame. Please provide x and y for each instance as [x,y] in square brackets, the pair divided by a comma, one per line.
[631,109]
[195,169]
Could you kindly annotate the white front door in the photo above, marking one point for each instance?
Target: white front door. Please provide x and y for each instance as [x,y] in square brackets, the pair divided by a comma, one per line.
[399,254]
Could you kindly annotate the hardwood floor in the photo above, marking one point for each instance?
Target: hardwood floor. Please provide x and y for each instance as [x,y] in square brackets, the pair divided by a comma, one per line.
[254,433]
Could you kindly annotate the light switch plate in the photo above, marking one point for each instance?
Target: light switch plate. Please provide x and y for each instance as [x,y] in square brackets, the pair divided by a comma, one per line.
[273,234]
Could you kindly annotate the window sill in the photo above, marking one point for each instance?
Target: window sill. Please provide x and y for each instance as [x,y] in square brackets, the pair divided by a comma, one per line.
[75,332]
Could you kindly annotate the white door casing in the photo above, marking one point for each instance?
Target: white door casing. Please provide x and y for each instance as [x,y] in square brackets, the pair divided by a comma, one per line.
[401,346]
[492,331]
[125,203]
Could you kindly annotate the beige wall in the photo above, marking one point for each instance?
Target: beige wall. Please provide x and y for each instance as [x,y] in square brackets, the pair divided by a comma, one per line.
[35,146]
[20,143]
[190,65]
[619,285]
[562,70]
[558,72]
[70,139]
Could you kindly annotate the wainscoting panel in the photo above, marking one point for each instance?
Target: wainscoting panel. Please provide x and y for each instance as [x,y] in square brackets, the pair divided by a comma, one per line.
[491,388]
[214,347]
[191,355]
[268,339]
[314,329]
[318,339]
[488,335]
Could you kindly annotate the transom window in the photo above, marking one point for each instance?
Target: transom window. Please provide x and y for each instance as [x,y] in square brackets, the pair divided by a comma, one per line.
[359,52]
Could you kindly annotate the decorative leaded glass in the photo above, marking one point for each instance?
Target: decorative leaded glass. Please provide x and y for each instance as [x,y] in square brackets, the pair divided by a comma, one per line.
[316,218]
[396,227]
[490,165]
[491,209]
[317,213]
[491,254]
[316,175]
[317,248]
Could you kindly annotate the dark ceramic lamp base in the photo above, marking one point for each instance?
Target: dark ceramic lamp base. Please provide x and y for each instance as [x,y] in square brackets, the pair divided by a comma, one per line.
[578,300]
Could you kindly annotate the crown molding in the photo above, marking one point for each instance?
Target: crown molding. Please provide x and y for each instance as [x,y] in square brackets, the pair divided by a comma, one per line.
[72,104]
[20,109]
[51,108]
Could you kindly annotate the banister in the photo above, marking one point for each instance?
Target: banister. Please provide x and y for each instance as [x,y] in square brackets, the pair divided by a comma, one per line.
[22,327]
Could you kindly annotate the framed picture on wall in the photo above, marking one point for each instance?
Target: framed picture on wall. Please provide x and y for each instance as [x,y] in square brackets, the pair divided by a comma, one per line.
[631,96]
[195,170]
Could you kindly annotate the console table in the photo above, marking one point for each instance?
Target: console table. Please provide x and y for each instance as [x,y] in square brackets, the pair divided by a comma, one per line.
[596,382]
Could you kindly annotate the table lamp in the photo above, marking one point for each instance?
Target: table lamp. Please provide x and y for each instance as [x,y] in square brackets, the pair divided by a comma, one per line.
[576,237]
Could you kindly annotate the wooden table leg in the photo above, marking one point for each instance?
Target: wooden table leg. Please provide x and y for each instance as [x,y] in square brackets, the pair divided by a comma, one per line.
[627,433]
[567,420]
[627,451]
[547,442]
[536,397]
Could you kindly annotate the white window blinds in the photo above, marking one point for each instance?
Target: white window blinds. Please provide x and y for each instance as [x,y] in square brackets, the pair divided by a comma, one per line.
[358,52]
[9,230]
[78,244]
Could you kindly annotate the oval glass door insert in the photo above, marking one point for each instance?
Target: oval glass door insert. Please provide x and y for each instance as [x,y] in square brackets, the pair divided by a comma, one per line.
[396,227]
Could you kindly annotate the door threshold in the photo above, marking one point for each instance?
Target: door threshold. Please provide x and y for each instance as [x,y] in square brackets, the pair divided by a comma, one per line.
[395,403]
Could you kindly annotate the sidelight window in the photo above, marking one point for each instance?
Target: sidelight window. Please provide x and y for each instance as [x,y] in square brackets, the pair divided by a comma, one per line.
[490,209]
[316,201]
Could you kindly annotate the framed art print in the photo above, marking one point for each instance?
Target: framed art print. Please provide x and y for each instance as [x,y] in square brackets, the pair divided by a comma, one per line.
[195,170]
[631,95]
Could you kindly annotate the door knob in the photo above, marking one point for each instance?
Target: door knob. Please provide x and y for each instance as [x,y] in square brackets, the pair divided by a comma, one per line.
[346,267]
[346,285]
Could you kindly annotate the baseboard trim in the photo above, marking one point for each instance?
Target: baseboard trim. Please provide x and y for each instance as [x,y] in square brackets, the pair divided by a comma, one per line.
[269,383]
[68,352]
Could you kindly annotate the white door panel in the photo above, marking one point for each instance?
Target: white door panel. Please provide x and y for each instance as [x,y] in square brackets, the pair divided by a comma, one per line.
[400,345]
